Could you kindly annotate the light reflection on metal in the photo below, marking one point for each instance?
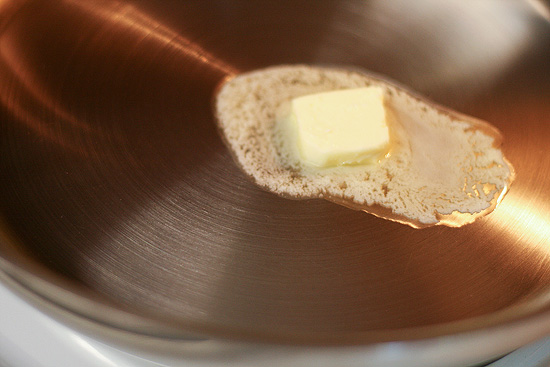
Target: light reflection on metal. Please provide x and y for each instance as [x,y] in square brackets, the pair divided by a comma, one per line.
[157,220]
[484,48]
[34,98]
[132,18]
[530,228]
[16,63]
[541,7]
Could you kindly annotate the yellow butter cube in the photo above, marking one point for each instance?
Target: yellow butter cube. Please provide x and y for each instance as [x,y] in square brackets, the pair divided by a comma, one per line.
[343,127]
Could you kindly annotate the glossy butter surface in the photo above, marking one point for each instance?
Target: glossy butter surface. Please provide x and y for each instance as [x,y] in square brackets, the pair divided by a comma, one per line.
[341,127]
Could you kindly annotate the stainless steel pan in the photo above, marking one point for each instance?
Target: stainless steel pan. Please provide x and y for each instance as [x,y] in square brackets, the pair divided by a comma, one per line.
[122,211]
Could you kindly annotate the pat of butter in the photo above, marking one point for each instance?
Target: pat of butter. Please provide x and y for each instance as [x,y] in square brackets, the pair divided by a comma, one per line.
[343,127]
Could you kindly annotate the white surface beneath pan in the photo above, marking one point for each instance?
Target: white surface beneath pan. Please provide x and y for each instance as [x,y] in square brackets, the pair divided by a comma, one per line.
[29,338]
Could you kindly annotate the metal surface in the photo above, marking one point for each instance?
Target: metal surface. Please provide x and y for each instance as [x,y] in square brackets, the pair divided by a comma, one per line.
[53,344]
[117,193]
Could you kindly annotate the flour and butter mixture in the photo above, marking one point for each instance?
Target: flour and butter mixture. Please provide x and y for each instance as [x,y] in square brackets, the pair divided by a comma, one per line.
[294,129]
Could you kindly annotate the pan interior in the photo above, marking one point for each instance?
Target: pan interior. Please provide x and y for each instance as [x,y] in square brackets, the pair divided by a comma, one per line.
[113,175]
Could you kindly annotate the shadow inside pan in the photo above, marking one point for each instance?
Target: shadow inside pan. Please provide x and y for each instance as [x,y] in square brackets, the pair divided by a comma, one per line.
[114,178]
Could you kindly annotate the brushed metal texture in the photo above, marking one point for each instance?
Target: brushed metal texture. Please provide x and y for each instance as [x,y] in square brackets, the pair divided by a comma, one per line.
[117,193]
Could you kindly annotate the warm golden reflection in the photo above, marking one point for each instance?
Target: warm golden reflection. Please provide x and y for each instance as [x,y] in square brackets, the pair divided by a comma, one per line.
[16,63]
[117,192]
[129,16]
[523,221]
[31,99]
[34,99]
